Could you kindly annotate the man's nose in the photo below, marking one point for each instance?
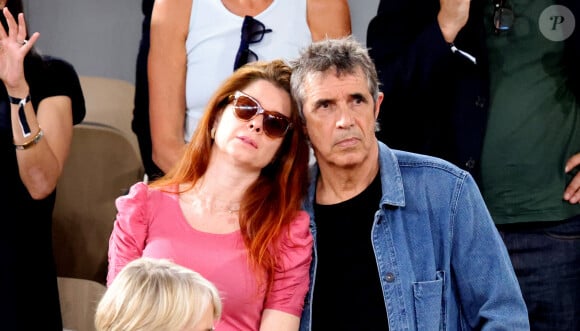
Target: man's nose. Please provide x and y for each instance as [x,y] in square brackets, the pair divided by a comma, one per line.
[345,117]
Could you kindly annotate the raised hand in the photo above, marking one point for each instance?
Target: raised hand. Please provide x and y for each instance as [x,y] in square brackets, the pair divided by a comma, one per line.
[452,17]
[13,48]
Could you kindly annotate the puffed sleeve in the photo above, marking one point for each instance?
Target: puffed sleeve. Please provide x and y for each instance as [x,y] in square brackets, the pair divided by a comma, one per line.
[292,277]
[130,229]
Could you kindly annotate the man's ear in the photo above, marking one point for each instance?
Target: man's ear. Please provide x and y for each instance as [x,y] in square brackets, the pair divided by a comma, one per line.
[378,104]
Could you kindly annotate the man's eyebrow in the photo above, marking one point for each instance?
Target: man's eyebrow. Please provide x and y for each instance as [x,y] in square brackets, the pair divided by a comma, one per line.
[358,96]
[353,96]
[318,103]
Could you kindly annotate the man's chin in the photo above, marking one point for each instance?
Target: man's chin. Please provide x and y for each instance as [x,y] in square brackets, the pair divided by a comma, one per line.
[347,161]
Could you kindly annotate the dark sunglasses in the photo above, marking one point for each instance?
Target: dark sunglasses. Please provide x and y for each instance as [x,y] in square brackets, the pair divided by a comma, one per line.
[503,16]
[275,125]
[253,31]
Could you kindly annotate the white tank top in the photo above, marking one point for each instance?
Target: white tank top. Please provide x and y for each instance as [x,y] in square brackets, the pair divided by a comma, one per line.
[214,38]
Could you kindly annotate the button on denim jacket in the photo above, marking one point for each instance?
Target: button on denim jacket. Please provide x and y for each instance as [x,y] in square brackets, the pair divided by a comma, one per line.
[442,264]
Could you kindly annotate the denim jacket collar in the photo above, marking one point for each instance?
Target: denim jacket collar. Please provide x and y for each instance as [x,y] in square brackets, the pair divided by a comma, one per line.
[391,180]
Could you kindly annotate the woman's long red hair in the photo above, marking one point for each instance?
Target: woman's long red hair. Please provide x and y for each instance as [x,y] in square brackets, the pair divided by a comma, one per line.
[271,203]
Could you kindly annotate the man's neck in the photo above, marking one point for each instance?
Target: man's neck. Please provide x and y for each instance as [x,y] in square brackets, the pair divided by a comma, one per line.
[338,184]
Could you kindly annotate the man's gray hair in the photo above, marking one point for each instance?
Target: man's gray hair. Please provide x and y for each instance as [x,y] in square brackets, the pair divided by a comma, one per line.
[344,55]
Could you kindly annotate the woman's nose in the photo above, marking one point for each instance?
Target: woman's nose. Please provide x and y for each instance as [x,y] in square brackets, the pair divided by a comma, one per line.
[256,123]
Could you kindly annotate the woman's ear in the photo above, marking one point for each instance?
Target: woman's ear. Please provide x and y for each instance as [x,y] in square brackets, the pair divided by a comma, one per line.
[216,123]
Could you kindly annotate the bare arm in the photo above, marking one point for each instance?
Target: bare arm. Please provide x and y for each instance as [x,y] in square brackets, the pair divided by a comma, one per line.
[328,18]
[275,320]
[40,163]
[40,166]
[167,70]
[452,17]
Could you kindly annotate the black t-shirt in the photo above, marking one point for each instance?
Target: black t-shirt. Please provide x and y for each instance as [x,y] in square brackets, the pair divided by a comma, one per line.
[28,278]
[347,291]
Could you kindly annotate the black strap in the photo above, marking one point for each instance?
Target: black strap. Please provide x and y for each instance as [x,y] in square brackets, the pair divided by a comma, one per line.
[21,115]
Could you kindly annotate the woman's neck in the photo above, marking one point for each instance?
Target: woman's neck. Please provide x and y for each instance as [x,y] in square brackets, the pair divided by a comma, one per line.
[246,7]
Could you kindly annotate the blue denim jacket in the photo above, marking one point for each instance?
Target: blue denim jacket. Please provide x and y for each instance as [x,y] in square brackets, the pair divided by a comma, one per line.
[442,263]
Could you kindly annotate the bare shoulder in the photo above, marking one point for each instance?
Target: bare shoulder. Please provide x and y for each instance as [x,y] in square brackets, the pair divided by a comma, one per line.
[171,13]
[173,5]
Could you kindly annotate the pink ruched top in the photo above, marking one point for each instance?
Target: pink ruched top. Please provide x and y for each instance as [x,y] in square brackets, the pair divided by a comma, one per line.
[150,223]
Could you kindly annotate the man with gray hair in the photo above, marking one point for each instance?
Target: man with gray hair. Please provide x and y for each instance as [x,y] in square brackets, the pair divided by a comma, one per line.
[406,237]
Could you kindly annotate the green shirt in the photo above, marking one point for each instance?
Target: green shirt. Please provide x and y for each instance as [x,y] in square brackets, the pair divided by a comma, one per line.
[534,119]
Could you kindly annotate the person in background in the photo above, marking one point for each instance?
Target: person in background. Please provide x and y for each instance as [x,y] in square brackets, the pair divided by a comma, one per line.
[158,295]
[231,208]
[433,74]
[140,124]
[530,147]
[40,101]
[411,230]
[209,40]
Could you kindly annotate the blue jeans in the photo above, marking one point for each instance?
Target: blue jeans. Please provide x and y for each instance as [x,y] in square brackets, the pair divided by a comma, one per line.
[546,259]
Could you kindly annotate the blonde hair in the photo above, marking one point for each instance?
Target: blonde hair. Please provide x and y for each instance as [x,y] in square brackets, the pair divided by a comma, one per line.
[156,294]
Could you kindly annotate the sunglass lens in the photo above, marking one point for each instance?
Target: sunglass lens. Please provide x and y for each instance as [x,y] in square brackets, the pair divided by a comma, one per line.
[275,126]
[503,19]
[252,30]
[251,57]
[244,56]
[241,59]
[245,108]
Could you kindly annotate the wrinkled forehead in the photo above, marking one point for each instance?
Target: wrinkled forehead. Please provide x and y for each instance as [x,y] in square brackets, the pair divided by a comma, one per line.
[324,84]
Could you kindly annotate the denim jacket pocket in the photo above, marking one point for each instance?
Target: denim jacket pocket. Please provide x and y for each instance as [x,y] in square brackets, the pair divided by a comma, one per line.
[429,303]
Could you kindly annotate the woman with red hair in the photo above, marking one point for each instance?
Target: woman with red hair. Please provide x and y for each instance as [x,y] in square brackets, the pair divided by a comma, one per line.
[230,209]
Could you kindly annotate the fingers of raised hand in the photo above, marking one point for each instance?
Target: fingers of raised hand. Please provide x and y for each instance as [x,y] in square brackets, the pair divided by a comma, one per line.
[21,29]
[12,26]
[16,33]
